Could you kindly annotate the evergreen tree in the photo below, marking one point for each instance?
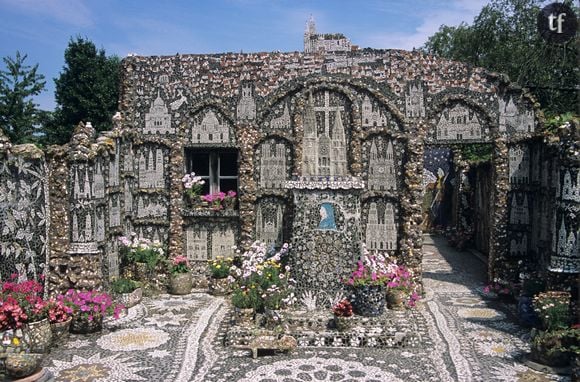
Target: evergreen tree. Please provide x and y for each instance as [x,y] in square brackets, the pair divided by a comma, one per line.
[86,90]
[504,38]
[19,115]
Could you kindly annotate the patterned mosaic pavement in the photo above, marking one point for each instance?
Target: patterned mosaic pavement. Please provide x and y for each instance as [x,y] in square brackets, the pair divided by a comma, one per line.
[174,338]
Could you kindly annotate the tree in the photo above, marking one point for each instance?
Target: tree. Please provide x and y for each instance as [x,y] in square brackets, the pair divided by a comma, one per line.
[504,38]
[19,115]
[86,90]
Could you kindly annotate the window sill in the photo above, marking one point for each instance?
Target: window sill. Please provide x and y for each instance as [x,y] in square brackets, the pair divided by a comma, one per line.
[209,212]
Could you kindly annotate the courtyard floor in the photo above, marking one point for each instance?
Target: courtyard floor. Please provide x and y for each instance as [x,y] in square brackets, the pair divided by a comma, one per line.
[466,337]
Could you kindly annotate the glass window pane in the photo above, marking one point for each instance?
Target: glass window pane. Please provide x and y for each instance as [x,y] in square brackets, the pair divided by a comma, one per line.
[228,185]
[199,163]
[229,163]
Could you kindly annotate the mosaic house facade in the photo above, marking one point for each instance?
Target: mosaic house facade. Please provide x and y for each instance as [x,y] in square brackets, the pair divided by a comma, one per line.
[326,149]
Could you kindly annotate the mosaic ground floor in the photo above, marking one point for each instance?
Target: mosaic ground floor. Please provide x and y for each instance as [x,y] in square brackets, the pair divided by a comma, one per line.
[466,337]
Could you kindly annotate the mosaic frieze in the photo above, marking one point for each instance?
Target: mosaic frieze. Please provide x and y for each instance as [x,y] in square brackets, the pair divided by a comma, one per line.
[98,180]
[23,218]
[114,165]
[414,100]
[384,163]
[380,222]
[152,232]
[209,127]
[459,123]
[128,195]
[100,215]
[274,158]
[570,189]
[128,159]
[151,166]
[112,257]
[512,120]
[519,164]
[150,206]
[270,222]
[209,240]
[246,107]
[518,245]
[565,257]
[158,119]
[81,226]
[324,146]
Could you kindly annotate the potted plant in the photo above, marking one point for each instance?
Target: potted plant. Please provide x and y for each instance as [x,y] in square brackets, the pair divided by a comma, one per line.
[180,281]
[342,315]
[89,309]
[192,186]
[401,288]
[553,308]
[367,283]
[556,348]
[12,320]
[142,254]
[128,292]
[28,295]
[244,300]
[60,318]
[219,271]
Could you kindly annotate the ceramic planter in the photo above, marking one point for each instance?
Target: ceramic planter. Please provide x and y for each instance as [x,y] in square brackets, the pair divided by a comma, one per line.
[219,287]
[129,300]
[180,283]
[342,323]
[396,298]
[369,300]
[14,341]
[60,331]
[40,336]
[82,325]
[22,365]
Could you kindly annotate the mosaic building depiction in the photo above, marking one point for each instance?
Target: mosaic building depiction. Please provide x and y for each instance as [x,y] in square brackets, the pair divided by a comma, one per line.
[328,149]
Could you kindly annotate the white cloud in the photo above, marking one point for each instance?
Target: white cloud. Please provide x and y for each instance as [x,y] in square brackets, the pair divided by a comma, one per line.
[71,12]
[453,14]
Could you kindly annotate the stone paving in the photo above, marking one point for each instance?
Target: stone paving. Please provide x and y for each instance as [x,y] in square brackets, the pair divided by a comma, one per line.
[172,338]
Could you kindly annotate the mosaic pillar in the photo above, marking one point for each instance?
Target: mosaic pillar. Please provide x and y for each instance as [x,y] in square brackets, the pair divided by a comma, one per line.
[326,241]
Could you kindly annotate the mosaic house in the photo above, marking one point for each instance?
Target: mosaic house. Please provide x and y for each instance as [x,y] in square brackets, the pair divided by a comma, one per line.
[327,149]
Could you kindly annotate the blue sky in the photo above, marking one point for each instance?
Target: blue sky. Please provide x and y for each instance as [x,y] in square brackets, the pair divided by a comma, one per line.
[43,28]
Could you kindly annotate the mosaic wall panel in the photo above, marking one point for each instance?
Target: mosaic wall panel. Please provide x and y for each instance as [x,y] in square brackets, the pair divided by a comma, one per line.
[151,166]
[279,121]
[23,217]
[459,123]
[327,118]
[326,240]
[519,164]
[375,115]
[514,119]
[209,239]
[383,157]
[415,100]
[438,186]
[211,127]
[565,224]
[380,222]
[158,118]
[246,107]
[270,221]
[150,206]
[274,163]
[152,232]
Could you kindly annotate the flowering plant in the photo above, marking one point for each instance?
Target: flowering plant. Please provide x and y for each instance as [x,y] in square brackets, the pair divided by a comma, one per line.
[220,267]
[192,184]
[370,270]
[500,287]
[58,310]
[553,308]
[27,295]
[261,279]
[91,305]
[137,250]
[343,308]
[179,264]
[12,316]
[220,200]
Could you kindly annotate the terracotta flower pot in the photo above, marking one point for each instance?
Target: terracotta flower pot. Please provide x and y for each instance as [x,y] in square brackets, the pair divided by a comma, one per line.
[180,283]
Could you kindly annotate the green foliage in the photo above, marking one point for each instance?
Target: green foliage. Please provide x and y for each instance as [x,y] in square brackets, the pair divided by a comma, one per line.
[504,38]
[244,298]
[563,340]
[477,152]
[19,115]
[121,286]
[220,267]
[86,90]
